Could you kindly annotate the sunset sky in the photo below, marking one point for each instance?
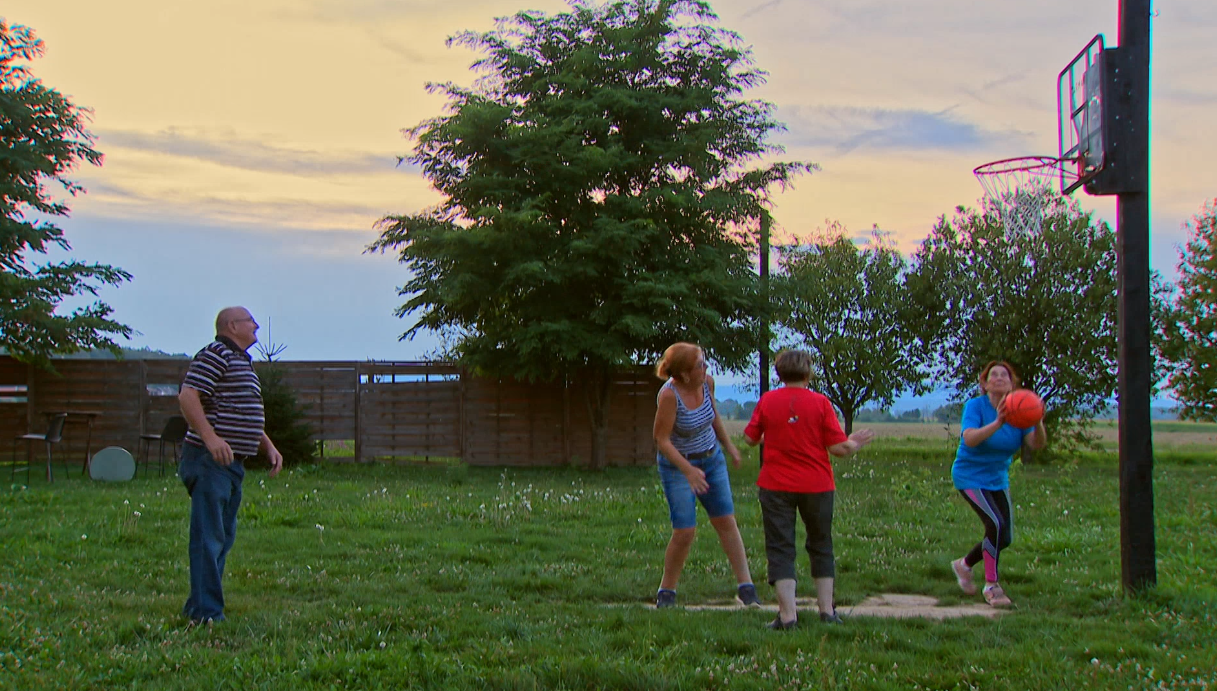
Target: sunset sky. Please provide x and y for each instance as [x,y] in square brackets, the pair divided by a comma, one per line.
[250,146]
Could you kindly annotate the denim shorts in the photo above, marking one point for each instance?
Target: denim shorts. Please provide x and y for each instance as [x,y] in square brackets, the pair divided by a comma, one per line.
[682,503]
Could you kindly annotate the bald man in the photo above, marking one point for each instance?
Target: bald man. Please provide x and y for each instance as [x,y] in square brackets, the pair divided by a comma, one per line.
[221,399]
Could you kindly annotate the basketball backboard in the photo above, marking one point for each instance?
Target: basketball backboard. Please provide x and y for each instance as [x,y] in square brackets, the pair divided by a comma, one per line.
[1083,152]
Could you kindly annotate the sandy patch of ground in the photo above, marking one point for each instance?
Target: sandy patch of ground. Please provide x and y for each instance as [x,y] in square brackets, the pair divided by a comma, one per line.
[887,605]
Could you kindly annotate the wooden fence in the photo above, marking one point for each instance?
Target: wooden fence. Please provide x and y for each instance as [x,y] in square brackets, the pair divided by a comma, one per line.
[386,410]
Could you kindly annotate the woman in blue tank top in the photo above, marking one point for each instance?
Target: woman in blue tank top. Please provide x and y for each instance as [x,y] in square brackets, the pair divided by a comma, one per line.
[690,439]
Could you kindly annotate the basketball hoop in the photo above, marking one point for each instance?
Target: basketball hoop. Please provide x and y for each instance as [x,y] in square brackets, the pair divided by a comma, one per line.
[1017,188]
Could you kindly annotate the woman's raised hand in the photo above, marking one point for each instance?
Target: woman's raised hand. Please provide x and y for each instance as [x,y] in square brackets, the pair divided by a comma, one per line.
[1001,411]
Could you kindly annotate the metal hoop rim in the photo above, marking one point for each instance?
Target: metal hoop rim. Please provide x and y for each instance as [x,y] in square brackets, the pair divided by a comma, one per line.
[1030,164]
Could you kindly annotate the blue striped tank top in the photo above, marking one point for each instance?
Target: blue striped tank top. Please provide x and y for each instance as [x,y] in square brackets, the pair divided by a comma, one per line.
[693,430]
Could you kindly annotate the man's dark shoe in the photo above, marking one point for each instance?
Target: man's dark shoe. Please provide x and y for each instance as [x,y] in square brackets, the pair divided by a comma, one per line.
[830,618]
[665,598]
[779,625]
[746,596]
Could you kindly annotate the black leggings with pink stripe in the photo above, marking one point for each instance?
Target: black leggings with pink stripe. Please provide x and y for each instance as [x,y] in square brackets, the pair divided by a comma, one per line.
[993,507]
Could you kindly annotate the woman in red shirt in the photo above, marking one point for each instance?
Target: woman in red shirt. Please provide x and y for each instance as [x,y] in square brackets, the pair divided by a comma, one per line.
[800,430]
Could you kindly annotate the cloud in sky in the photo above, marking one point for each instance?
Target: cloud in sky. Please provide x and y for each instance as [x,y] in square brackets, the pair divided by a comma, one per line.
[846,128]
[760,8]
[250,154]
[225,178]
[181,203]
[1190,96]
[320,303]
[379,12]
[275,124]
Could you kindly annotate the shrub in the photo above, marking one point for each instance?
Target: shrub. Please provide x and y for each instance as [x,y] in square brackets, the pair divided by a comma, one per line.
[286,422]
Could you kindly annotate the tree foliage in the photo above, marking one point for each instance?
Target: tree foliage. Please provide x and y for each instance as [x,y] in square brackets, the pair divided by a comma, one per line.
[43,136]
[1045,301]
[1190,334]
[948,413]
[596,182]
[845,306]
[287,422]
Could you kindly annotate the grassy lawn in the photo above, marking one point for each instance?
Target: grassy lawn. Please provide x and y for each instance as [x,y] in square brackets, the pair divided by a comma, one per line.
[368,577]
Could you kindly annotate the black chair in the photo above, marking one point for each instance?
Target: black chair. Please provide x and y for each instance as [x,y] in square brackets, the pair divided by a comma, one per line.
[174,433]
[54,434]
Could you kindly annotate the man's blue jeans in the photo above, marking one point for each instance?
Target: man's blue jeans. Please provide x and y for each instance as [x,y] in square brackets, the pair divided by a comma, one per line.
[215,496]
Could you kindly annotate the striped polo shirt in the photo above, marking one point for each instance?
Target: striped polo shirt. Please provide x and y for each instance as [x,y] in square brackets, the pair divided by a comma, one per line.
[693,430]
[228,387]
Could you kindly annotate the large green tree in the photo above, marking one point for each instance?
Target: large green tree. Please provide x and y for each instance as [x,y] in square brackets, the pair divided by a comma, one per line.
[597,182]
[43,136]
[845,305]
[1044,301]
[1190,342]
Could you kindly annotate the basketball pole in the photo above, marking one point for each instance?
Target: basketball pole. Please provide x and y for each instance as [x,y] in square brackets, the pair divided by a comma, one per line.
[1137,548]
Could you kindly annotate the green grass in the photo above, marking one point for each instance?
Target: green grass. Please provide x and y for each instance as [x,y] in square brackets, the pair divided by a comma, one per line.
[392,577]
[1169,426]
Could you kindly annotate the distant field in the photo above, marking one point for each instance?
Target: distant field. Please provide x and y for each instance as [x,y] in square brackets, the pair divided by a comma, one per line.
[1167,433]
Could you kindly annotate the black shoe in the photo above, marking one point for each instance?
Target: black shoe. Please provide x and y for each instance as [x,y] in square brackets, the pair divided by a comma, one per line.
[830,618]
[778,625]
[746,596]
[665,598]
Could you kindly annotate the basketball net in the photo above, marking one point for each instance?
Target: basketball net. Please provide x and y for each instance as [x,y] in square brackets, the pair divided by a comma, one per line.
[1016,190]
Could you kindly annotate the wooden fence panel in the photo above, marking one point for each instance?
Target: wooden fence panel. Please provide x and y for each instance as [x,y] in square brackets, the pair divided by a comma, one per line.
[412,410]
[162,382]
[14,410]
[508,422]
[408,410]
[110,389]
[631,420]
[547,424]
[328,390]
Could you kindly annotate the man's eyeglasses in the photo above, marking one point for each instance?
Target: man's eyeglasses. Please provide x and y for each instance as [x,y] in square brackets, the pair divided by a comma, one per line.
[245,319]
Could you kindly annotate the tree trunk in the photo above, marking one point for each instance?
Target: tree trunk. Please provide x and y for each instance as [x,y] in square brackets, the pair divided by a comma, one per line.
[1028,455]
[848,415]
[599,389]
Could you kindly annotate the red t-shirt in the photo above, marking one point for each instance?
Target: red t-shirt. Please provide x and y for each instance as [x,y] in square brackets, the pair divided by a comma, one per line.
[798,426]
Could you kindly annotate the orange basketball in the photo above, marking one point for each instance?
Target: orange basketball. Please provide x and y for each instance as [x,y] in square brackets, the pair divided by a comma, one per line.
[1023,408]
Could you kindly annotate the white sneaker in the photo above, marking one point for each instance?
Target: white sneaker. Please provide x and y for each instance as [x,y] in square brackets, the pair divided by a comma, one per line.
[996,597]
[963,575]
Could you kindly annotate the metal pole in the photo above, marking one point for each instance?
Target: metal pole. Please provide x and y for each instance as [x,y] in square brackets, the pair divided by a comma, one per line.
[766,221]
[1137,559]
